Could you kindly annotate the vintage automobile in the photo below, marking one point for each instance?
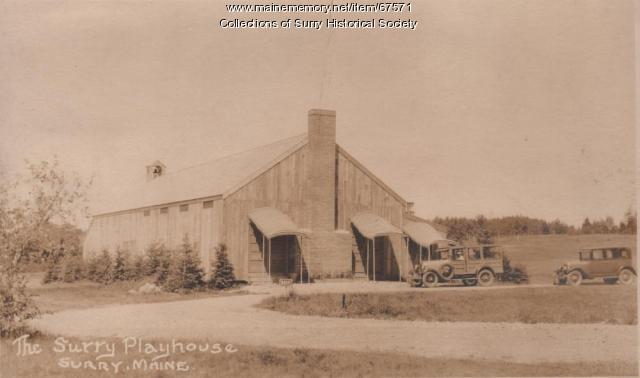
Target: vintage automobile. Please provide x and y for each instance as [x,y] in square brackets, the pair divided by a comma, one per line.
[612,264]
[470,265]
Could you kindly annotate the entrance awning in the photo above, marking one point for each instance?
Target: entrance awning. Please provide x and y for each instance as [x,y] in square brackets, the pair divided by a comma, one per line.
[423,233]
[273,222]
[372,226]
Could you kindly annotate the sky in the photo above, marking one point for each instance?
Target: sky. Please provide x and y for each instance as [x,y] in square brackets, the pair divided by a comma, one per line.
[488,107]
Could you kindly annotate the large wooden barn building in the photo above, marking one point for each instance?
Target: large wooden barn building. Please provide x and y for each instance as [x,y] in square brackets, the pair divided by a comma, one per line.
[296,208]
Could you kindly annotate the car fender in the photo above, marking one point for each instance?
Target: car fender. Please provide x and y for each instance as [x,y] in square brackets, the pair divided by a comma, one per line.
[627,267]
[431,265]
[485,268]
[434,271]
[572,269]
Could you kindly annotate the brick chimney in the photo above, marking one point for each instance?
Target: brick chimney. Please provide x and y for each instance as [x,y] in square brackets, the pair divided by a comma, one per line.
[322,169]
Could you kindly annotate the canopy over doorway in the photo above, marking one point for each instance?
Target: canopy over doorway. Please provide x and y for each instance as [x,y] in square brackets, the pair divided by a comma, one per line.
[372,226]
[274,224]
[424,235]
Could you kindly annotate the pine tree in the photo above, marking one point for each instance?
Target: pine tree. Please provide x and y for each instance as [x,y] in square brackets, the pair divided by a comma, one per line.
[104,268]
[158,258]
[72,266]
[121,266]
[222,277]
[138,269]
[185,272]
[586,226]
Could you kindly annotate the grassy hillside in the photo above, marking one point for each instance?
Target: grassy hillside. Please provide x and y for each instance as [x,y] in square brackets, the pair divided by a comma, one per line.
[542,254]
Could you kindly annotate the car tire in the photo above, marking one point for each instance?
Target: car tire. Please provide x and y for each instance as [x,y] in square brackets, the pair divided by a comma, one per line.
[610,281]
[430,279]
[626,276]
[485,277]
[447,271]
[470,282]
[574,278]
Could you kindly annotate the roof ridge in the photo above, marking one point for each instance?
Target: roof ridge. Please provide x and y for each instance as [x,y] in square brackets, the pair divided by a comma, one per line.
[171,173]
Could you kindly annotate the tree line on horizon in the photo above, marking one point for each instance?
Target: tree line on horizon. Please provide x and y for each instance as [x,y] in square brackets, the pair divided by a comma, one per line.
[484,230]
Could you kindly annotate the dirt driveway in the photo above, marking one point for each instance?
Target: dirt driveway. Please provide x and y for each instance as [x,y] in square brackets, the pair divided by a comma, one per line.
[235,320]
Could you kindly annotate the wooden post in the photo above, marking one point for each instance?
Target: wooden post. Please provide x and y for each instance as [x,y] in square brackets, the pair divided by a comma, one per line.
[308,268]
[374,258]
[406,247]
[300,250]
[399,268]
[286,257]
[367,258]
[270,260]
[420,258]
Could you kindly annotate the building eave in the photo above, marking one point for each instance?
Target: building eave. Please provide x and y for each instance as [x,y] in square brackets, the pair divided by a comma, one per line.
[152,207]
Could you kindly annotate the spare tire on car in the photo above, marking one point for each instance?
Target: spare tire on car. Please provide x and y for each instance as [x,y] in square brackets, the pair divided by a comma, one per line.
[447,271]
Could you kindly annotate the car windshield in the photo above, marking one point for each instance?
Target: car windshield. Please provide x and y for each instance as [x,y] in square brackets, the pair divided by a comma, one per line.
[440,254]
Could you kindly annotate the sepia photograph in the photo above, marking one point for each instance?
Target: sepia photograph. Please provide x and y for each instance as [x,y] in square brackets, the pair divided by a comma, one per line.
[318,188]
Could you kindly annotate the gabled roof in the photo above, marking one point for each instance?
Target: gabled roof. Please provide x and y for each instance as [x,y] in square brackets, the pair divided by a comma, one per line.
[210,179]
[218,178]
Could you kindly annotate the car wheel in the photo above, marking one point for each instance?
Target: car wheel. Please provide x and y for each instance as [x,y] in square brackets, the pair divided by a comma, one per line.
[626,276]
[610,281]
[446,271]
[430,279]
[470,281]
[485,277]
[574,278]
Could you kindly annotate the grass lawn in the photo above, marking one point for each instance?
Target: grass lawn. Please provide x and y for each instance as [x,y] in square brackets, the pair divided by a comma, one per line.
[278,362]
[56,297]
[615,304]
[542,254]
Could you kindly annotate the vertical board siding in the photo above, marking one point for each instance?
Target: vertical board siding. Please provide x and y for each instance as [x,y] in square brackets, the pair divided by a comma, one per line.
[135,232]
[281,187]
[358,192]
